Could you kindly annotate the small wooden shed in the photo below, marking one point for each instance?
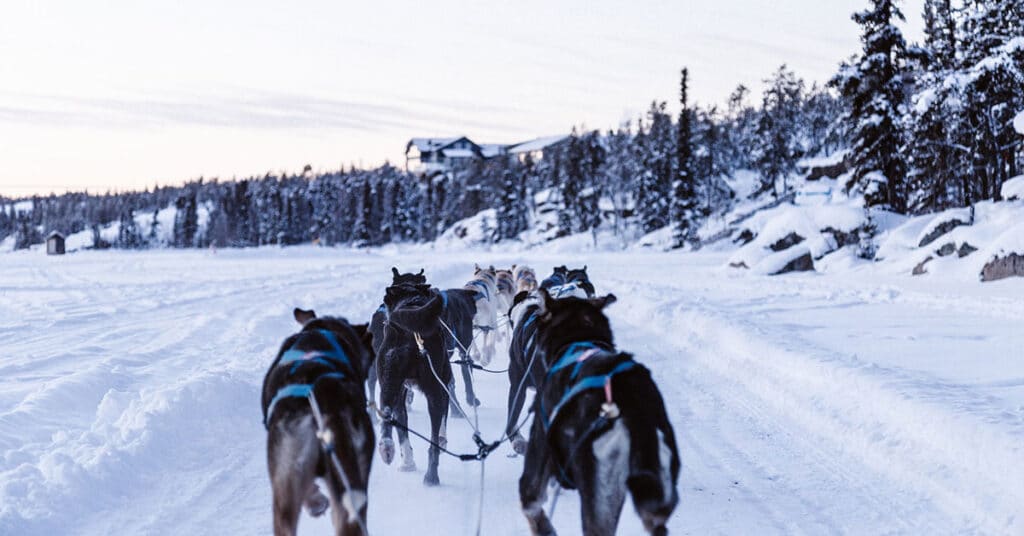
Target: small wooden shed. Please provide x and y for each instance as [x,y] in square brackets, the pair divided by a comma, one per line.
[55,243]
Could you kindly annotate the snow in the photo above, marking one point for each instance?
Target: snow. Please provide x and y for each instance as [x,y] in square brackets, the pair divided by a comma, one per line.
[1013,188]
[1018,123]
[809,222]
[878,403]
[536,144]
[459,153]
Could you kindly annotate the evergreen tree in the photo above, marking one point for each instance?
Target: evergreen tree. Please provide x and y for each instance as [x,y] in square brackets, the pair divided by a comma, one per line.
[128,234]
[874,86]
[361,231]
[657,149]
[684,192]
[777,145]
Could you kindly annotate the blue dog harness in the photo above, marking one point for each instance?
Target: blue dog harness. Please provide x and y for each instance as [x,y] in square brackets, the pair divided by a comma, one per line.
[574,356]
[335,359]
[483,288]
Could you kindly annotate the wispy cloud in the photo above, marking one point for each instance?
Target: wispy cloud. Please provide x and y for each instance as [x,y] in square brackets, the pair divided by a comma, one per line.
[248,109]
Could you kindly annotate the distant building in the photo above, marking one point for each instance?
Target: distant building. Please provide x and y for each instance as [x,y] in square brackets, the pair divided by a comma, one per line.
[535,148]
[427,156]
[55,244]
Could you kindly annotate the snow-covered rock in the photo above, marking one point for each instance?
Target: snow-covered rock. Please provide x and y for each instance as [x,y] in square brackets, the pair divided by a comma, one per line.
[1018,123]
[1013,189]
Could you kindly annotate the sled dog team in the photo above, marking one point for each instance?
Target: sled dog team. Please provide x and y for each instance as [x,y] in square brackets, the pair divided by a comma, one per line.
[599,423]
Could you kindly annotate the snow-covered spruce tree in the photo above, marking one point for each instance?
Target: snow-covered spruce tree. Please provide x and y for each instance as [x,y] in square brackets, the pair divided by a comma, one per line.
[512,207]
[874,85]
[777,145]
[570,184]
[993,52]
[364,219]
[128,235]
[684,193]
[617,174]
[186,219]
[711,146]
[588,211]
[739,131]
[657,152]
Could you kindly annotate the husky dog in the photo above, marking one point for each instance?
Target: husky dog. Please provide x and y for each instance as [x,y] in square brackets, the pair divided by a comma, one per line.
[413,354]
[506,284]
[600,425]
[326,361]
[562,276]
[484,284]
[378,322]
[525,369]
[524,277]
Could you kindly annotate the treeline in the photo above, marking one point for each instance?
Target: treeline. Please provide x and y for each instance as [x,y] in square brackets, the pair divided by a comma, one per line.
[926,126]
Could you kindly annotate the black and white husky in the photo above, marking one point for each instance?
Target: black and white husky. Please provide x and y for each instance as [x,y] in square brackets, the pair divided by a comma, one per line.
[325,362]
[600,425]
[525,368]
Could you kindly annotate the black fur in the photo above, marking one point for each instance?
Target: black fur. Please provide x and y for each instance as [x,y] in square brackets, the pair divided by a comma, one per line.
[378,322]
[556,278]
[459,310]
[566,450]
[413,309]
[295,455]
[562,276]
[524,370]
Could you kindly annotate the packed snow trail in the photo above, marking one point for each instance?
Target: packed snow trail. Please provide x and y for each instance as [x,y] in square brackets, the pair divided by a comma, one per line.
[803,404]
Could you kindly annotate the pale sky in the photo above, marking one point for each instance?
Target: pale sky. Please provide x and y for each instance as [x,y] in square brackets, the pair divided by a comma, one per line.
[123,94]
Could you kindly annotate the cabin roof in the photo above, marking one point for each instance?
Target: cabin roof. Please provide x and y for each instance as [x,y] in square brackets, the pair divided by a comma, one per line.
[537,144]
[55,234]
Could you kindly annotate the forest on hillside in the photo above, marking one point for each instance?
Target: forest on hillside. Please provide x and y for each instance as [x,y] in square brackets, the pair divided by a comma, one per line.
[921,126]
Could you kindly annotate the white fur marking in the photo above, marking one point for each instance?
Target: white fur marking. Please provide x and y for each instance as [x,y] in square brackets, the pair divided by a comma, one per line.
[611,450]
[665,457]
[353,501]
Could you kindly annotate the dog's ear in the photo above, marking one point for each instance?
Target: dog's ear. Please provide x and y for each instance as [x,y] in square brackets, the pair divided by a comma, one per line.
[513,267]
[604,301]
[421,272]
[562,269]
[303,316]
[394,271]
[584,268]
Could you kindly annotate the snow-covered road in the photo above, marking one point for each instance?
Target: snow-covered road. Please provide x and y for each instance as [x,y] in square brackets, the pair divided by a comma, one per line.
[129,398]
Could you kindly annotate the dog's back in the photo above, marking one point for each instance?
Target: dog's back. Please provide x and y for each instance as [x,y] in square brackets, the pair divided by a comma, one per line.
[325,363]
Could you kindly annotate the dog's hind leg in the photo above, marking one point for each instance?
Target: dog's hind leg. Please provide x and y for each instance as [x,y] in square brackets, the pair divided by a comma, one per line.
[467,378]
[602,479]
[402,416]
[516,399]
[316,502]
[371,387]
[292,456]
[437,405]
[533,483]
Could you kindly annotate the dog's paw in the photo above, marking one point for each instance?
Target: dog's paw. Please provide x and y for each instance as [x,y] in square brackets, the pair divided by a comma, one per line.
[519,445]
[431,480]
[408,466]
[387,451]
[317,504]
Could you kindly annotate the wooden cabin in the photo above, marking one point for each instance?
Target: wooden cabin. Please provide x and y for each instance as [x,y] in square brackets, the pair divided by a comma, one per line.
[55,243]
